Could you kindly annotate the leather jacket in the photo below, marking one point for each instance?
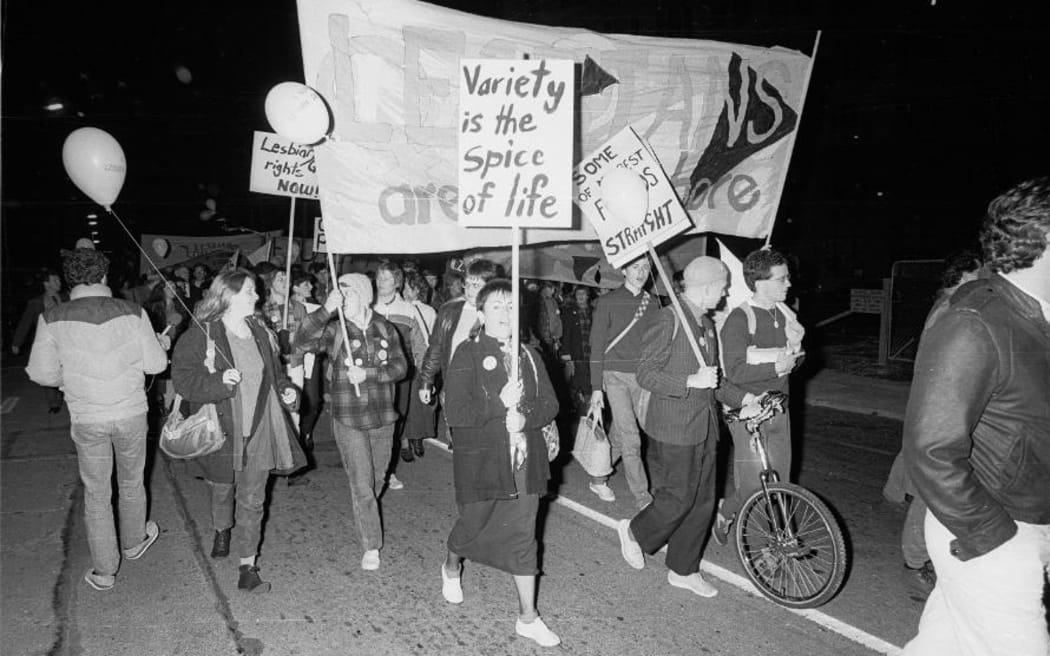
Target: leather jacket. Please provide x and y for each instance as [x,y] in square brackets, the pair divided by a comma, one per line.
[437,356]
[977,428]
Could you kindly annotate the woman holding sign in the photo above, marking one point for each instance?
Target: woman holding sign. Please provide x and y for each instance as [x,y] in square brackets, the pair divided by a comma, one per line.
[501,461]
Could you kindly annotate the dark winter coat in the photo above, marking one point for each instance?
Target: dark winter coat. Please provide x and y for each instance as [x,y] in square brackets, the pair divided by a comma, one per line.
[481,460]
[197,387]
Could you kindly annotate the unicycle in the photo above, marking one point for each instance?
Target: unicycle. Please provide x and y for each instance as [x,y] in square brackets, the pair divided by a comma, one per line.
[789,542]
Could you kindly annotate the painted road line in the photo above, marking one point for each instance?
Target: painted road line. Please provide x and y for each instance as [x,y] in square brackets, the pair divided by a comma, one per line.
[830,623]
[9,404]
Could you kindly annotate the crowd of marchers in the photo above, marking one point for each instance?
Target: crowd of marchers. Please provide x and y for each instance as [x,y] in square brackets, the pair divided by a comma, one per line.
[398,355]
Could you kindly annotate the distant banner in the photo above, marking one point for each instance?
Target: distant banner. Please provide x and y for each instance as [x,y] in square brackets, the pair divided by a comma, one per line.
[623,242]
[320,239]
[574,263]
[719,116]
[168,250]
[515,143]
[282,168]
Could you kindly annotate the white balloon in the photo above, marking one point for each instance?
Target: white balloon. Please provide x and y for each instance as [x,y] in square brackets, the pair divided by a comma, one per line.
[161,247]
[297,112]
[95,163]
[625,195]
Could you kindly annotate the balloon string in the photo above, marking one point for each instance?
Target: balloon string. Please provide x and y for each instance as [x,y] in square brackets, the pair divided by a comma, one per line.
[149,259]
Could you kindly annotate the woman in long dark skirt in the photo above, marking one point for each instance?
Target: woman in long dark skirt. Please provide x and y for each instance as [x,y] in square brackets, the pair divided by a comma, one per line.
[501,462]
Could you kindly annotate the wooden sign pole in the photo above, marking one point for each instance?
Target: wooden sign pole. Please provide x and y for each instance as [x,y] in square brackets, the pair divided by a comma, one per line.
[288,265]
[679,310]
[342,319]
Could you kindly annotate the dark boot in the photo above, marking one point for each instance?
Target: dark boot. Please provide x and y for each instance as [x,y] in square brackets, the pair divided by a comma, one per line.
[417,447]
[407,455]
[220,548]
[250,581]
[919,581]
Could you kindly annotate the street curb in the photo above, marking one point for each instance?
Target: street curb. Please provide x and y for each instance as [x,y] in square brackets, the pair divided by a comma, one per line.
[884,413]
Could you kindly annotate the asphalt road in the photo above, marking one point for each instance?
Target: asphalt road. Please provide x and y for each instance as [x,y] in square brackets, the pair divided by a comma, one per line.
[177,600]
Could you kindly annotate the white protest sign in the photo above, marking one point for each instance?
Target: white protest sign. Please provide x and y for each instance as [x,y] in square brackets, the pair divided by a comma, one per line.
[320,241]
[282,168]
[515,143]
[623,242]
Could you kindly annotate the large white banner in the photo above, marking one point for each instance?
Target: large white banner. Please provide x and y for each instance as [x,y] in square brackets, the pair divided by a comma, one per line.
[720,118]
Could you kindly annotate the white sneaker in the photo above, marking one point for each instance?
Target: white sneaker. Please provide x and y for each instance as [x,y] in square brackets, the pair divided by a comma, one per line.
[603,491]
[695,583]
[451,589]
[394,484]
[370,561]
[538,632]
[630,549]
[152,533]
[100,582]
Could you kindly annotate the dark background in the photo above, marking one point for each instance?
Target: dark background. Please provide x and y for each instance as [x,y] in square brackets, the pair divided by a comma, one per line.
[917,115]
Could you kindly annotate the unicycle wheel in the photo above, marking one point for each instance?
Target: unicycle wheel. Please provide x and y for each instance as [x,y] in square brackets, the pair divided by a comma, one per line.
[791,546]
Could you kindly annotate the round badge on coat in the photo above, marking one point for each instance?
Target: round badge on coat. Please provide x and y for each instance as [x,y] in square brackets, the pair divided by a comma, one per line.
[381,354]
[383,343]
[489,363]
[356,343]
[359,362]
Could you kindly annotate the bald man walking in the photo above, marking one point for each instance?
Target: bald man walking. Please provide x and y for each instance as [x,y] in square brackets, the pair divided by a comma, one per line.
[682,423]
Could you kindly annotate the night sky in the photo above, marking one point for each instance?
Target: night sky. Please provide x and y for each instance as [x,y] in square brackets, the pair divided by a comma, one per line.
[917,115]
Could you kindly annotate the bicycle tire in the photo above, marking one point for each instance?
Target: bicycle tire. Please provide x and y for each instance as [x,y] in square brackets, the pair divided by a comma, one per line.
[803,568]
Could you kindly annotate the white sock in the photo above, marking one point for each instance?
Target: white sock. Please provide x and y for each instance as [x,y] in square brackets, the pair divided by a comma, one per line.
[249,561]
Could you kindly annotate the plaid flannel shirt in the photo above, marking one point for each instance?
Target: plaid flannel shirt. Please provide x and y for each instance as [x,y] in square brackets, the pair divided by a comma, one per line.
[377,349]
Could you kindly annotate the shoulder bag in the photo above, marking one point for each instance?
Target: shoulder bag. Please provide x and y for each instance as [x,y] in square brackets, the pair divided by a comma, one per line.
[200,433]
[551,437]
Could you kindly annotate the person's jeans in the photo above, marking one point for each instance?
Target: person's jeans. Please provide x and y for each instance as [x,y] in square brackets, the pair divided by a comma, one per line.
[990,605]
[366,456]
[625,439]
[913,538]
[747,465]
[247,494]
[97,444]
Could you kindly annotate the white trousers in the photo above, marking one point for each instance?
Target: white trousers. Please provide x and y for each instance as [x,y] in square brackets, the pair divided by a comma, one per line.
[989,605]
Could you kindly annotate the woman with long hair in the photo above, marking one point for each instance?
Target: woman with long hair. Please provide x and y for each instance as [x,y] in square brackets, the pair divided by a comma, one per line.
[231,359]
[501,462]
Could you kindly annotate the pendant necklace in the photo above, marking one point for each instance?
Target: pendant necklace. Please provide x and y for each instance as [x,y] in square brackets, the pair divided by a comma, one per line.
[773,314]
